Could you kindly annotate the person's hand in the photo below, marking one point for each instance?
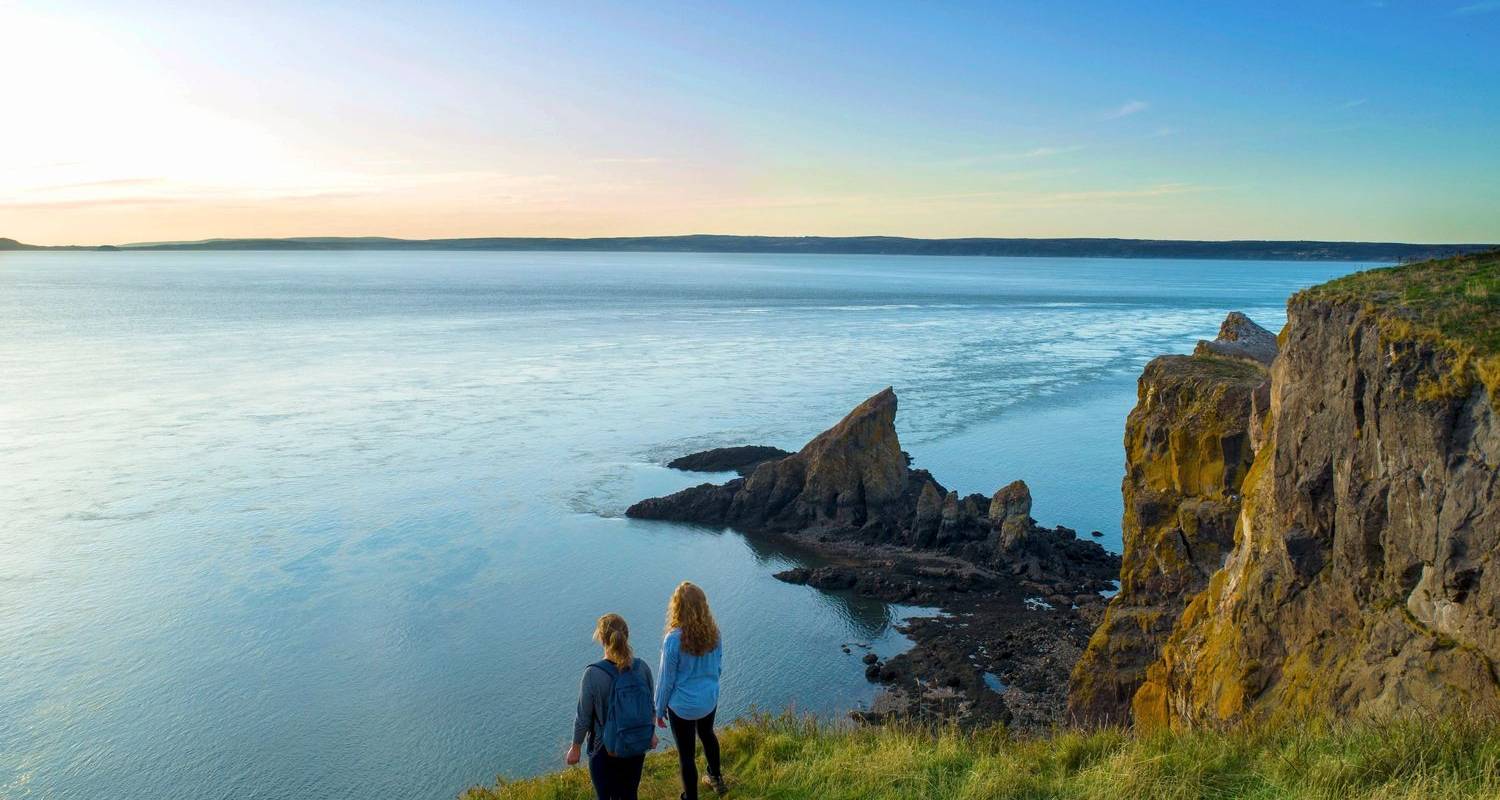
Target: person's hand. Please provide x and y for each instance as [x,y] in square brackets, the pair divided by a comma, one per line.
[653,741]
[573,755]
[661,722]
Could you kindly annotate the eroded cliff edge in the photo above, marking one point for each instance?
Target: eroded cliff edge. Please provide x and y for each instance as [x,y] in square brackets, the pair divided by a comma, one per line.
[1360,580]
[1189,443]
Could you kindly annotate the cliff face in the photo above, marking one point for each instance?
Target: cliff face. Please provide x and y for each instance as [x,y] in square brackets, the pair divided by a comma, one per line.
[1188,447]
[1361,578]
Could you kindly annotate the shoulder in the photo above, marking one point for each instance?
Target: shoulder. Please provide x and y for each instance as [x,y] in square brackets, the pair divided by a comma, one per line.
[673,637]
[594,677]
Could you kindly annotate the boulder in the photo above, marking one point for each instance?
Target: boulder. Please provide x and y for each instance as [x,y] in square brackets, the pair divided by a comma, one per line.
[1239,337]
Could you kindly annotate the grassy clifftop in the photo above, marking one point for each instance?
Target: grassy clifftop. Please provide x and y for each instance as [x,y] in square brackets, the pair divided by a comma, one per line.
[785,758]
[1452,303]
[1456,298]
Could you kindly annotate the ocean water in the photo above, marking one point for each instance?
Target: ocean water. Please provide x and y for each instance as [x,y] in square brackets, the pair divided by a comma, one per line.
[302,525]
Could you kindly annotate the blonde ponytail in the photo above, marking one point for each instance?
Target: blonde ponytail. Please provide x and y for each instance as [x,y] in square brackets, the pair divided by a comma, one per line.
[614,634]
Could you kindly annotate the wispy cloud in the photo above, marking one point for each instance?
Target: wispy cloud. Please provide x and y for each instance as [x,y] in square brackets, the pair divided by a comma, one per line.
[1481,7]
[1348,104]
[1047,151]
[1019,200]
[1163,131]
[1130,107]
[102,184]
[1158,190]
[629,160]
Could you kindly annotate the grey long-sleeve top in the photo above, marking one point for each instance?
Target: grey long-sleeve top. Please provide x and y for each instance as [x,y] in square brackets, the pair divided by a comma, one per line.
[593,702]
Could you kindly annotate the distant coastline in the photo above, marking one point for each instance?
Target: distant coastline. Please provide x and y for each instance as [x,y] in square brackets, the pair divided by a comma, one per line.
[1239,250]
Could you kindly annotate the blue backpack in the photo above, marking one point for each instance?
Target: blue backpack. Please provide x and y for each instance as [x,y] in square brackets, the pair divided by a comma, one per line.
[628,722]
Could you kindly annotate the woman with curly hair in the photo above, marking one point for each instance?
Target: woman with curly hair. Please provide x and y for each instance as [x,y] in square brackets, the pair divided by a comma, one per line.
[688,693]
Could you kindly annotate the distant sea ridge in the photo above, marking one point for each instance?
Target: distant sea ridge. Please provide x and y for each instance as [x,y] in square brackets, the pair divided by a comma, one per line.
[846,245]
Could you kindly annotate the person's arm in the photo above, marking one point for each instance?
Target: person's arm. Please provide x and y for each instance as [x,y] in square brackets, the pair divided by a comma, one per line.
[669,648]
[584,718]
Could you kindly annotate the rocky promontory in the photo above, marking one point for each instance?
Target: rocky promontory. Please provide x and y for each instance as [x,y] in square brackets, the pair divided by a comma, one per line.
[1019,599]
[853,483]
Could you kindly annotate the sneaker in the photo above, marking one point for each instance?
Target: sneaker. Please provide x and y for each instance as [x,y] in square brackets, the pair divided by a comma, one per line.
[716,782]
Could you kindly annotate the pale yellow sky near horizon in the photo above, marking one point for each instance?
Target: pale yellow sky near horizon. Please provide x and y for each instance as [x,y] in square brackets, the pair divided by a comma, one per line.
[161,122]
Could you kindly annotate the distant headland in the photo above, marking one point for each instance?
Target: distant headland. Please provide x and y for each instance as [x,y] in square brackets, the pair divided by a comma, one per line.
[1247,250]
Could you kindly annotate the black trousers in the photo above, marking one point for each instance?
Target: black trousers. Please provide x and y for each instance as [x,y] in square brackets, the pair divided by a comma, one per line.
[615,778]
[684,732]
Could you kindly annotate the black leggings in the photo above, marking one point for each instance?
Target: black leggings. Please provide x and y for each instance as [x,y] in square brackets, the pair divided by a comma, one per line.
[615,778]
[683,731]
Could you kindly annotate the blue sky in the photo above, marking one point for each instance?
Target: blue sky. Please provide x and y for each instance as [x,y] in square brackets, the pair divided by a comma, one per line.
[1337,120]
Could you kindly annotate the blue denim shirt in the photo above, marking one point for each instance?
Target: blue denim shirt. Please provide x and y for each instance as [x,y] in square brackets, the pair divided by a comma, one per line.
[687,684]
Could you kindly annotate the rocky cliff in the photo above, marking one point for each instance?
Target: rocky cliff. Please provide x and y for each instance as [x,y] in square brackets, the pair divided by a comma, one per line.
[1360,580]
[1188,447]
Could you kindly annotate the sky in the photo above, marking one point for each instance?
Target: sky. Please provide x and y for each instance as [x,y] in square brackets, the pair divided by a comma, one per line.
[1347,120]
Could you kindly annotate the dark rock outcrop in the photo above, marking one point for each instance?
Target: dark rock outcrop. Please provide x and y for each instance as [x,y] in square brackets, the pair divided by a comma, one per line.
[853,482]
[742,459]
[1188,447]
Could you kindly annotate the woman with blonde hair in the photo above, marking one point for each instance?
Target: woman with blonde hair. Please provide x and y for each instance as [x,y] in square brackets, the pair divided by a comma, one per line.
[615,710]
[688,695]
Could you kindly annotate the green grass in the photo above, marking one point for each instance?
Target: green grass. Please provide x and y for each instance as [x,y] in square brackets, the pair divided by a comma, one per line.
[1456,298]
[791,758]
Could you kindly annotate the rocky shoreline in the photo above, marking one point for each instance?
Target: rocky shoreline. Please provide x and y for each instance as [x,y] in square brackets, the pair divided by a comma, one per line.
[998,651]
[1018,601]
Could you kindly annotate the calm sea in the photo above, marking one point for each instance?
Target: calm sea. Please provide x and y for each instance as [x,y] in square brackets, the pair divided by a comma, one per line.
[307,525]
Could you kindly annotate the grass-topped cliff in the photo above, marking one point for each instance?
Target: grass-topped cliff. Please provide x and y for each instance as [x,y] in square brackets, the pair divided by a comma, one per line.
[787,759]
[1361,580]
[1453,302]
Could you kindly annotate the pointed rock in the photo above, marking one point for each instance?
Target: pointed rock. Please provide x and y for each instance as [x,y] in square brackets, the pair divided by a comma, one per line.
[851,476]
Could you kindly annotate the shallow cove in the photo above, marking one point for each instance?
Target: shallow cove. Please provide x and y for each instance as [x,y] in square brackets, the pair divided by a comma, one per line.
[284,524]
